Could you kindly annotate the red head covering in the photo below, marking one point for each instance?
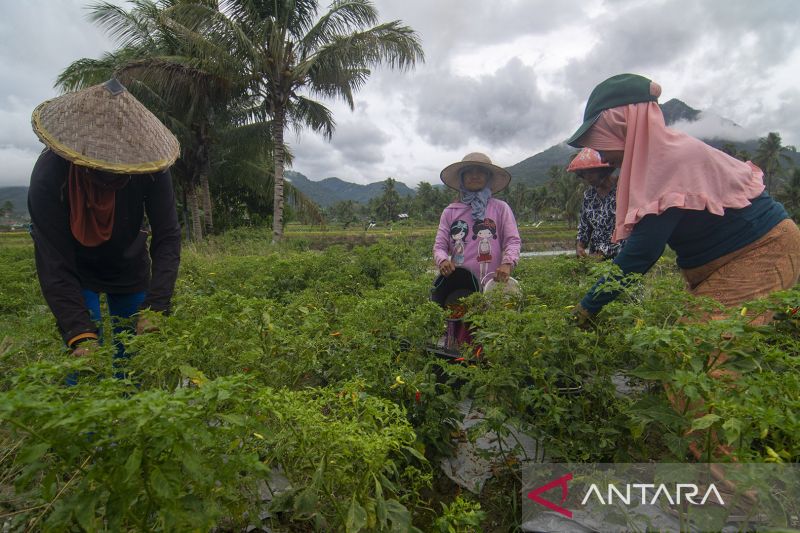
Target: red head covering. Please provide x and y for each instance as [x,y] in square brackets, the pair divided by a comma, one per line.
[91,204]
[665,168]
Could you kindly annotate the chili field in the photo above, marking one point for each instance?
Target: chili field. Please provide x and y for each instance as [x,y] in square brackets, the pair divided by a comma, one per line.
[290,389]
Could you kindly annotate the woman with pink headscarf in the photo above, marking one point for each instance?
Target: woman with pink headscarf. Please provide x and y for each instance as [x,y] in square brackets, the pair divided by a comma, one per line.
[733,242]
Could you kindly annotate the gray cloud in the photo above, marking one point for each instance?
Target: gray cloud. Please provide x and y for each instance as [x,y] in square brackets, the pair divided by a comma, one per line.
[17,165]
[313,156]
[713,55]
[15,116]
[357,143]
[712,126]
[634,38]
[506,107]
[39,39]
[510,78]
[360,141]
[447,27]
[788,109]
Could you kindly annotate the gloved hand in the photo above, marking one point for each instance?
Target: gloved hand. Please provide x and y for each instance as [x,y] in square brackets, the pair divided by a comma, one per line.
[582,318]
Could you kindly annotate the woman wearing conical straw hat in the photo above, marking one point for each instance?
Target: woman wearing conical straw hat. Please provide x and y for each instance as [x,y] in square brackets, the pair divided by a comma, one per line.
[104,168]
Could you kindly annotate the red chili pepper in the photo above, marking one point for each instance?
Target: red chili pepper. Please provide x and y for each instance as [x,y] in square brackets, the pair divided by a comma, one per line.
[418,397]
[794,310]
[245,369]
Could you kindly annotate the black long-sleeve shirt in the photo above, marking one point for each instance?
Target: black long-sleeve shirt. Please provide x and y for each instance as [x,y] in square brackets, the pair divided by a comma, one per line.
[698,237]
[120,265]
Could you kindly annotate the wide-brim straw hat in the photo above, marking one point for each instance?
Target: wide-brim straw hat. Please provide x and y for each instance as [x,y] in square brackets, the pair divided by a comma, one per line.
[499,177]
[104,127]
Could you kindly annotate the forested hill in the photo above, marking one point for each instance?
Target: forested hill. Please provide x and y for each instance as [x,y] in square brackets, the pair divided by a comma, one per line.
[332,190]
[325,192]
[18,196]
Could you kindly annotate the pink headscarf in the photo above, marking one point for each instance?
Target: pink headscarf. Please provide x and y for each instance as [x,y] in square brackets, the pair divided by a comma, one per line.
[665,168]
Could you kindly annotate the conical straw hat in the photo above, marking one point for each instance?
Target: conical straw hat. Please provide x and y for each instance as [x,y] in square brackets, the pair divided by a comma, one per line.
[105,128]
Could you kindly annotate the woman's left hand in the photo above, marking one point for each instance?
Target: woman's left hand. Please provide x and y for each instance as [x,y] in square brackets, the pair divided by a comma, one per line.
[144,325]
[582,318]
[503,272]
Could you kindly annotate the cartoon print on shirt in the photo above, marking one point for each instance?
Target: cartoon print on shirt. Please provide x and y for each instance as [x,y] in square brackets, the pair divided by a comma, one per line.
[485,230]
[458,232]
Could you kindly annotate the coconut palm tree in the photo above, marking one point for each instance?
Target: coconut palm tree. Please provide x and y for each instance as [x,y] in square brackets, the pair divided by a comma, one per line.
[290,55]
[771,156]
[182,70]
[566,193]
[390,200]
[790,195]
[156,62]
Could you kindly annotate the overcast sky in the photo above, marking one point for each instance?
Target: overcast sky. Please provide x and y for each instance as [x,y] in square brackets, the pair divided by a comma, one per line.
[508,78]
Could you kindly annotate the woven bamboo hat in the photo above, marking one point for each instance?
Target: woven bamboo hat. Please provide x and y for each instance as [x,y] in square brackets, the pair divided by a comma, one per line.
[451,174]
[105,128]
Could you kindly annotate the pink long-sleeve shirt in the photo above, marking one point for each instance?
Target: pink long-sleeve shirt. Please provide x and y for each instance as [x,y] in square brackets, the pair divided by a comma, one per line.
[467,243]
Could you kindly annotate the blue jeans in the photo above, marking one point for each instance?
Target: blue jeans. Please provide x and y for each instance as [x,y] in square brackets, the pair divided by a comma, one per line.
[121,307]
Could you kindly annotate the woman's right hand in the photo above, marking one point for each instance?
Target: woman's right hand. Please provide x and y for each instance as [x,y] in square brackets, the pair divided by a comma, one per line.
[447,267]
[85,348]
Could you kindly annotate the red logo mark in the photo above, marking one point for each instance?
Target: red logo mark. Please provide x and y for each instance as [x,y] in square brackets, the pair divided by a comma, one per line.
[562,482]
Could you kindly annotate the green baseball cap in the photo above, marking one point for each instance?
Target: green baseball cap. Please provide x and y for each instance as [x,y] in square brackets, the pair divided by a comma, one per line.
[622,89]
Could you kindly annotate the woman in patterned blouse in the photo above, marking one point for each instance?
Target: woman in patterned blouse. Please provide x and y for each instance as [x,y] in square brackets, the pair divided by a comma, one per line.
[599,210]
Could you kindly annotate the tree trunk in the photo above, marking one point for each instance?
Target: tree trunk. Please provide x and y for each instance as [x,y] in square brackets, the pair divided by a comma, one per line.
[194,208]
[207,207]
[185,211]
[278,156]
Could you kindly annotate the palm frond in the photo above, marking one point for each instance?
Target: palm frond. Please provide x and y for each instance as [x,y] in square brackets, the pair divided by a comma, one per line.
[343,17]
[338,83]
[303,205]
[128,28]
[342,66]
[178,80]
[389,43]
[215,39]
[87,72]
[307,112]
[162,108]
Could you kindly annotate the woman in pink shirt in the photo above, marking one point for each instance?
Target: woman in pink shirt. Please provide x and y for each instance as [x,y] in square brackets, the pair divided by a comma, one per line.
[477,232]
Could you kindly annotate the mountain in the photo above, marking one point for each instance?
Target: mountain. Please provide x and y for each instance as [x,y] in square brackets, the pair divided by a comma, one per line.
[675,111]
[332,190]
[325,193]
[18,196]
[533,170]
